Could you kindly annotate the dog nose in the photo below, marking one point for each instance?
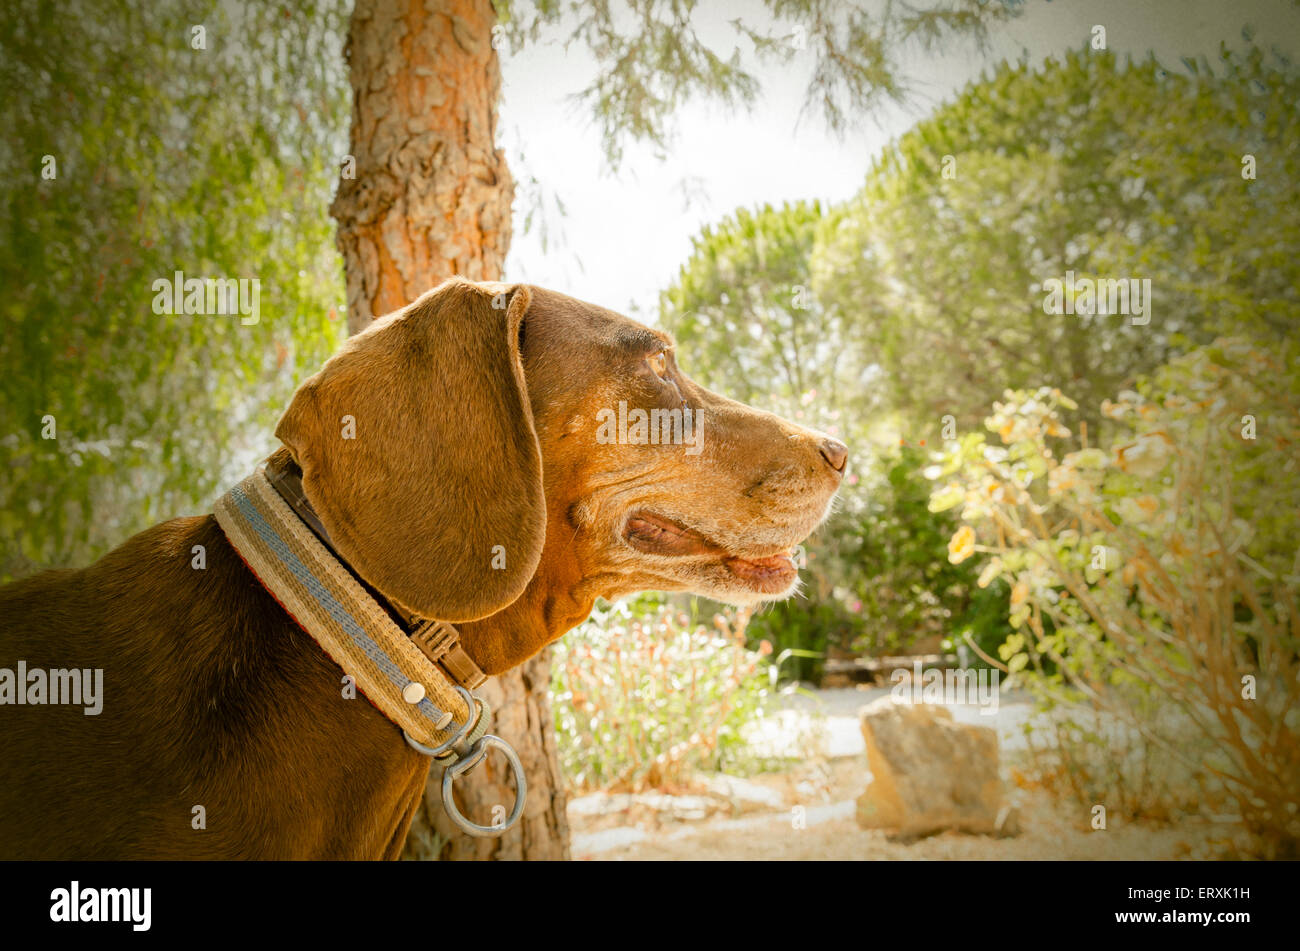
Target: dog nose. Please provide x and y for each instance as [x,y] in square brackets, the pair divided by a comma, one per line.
[835,453]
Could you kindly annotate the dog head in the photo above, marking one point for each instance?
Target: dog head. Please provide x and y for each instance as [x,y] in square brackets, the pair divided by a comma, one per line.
[489,437]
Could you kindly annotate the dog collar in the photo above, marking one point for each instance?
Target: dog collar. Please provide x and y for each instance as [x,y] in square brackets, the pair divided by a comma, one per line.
[439,718]
[439,640]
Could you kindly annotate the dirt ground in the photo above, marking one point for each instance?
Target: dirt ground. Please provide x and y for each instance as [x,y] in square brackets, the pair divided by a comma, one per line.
[834,835]
[807,813]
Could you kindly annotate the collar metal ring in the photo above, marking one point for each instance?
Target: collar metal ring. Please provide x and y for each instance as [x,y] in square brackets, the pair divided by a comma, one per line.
[477,752]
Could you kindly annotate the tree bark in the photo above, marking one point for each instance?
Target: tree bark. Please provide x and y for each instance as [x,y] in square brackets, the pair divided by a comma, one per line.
[430,199]
[431,194]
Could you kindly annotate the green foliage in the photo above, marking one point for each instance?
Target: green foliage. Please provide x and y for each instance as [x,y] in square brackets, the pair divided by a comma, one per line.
[218,162]
[1154,584]
[808,625]
[929,300]
[650,58]
[857,50]
[1086,165]
[741,308]
[643,698]
[875,583]
[905,592]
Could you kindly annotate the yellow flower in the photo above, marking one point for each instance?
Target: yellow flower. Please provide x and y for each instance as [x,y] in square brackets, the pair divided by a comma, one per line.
[1019,594]
[962,545]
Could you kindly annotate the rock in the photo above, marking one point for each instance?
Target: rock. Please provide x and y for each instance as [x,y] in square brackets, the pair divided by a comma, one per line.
[743,795]
[600,809]
[929,773]
[681,808]
[1007,824]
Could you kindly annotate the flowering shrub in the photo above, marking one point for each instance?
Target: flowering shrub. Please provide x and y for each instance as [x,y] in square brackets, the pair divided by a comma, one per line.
[1154,584]
[640,701]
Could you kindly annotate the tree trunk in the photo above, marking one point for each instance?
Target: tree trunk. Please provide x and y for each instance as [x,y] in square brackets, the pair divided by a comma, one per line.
[431,194]
[430,199]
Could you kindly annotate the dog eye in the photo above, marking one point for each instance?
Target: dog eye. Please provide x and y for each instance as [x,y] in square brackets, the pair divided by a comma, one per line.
[659,363]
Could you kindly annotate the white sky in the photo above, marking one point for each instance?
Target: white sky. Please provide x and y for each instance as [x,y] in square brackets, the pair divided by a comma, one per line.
[625,235]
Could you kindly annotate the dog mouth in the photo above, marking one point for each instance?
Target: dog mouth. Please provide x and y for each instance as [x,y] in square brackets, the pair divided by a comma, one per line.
[653,534]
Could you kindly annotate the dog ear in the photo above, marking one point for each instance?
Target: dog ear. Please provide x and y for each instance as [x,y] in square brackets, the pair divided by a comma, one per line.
[419,454]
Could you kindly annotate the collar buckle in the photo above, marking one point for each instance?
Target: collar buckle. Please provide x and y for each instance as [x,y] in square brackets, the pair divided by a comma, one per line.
[440,642]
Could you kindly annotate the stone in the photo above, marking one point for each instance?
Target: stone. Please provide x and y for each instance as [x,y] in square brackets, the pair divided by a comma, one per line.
[928,773]
[742,795]
[1008,824]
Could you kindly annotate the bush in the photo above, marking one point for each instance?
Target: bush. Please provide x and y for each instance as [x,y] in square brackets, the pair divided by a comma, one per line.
[641,698]
[873,582]
[1153,585]
[903,592]
[808,628]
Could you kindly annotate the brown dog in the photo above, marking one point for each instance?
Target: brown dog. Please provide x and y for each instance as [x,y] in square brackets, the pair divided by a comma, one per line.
[477,417]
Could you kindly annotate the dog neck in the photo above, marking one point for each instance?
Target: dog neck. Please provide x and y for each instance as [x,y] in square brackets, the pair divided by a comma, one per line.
[491,645]
[522,629]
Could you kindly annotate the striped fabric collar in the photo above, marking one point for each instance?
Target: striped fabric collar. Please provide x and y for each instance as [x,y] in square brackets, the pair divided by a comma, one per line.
[327,602]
